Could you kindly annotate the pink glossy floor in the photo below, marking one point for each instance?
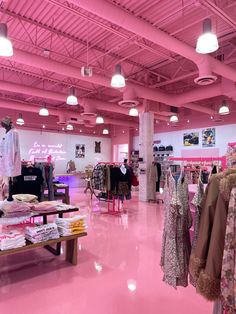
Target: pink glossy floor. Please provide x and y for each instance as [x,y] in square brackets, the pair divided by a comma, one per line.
[118,270]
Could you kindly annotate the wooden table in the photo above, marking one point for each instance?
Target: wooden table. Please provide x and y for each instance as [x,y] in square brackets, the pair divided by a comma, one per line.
[60,213]
[71,247]
[64,196]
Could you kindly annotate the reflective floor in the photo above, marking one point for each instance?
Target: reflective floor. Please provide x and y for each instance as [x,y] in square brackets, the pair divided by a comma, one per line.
[117,273]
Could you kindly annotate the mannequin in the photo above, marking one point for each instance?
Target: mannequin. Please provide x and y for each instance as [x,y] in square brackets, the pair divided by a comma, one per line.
[10,160]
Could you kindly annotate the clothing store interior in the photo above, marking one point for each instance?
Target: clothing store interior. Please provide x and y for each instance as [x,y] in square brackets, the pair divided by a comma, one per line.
[118,156]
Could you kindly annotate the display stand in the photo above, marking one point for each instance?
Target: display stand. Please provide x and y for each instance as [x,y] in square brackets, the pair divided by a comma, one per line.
[71,241]
[115,209]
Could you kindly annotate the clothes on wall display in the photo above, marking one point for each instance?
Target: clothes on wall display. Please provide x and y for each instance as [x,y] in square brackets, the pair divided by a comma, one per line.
[176,244]
[97,147]
[10,160]
[212,262]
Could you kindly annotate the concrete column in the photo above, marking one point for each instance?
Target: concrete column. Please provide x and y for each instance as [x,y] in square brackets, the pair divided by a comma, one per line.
[146,131]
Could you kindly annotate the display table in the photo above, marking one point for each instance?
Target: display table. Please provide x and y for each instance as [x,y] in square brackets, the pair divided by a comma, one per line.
[65,195]
[71,241]
[71,247]
[74,180]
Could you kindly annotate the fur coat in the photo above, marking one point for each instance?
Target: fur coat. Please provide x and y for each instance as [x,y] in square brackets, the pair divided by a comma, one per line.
[206,258]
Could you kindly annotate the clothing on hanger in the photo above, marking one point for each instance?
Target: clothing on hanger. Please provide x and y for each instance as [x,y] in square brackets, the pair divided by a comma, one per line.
[176,244]
[207,257]
[29,182]
[10,159]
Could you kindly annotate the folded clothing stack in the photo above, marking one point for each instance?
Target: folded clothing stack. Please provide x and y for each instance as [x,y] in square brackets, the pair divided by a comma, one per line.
[42,233]
[47,206]
[29,198]
[11,240]
[15,208]
[72,225]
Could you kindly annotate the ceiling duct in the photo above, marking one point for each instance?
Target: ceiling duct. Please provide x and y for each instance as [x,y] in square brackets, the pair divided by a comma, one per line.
[129,98]
[205,74]
[89,109]
[62,120]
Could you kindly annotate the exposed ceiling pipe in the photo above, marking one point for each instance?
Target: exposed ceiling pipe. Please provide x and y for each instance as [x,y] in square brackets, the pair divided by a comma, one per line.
[32,91]
[115,15]
[70,71]
[21,107]
[66,70]
[54,66]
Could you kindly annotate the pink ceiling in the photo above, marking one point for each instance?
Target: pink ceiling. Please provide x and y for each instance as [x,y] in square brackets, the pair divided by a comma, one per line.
[76,37]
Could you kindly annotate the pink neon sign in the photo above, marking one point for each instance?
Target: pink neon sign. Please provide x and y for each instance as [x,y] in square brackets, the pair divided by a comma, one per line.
[43,150]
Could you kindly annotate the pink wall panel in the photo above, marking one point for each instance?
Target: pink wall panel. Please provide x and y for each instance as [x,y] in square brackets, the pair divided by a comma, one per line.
[209,152]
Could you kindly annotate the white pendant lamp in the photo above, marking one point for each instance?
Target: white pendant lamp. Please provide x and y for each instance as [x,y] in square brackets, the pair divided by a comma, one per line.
[118,80]
[224,109]
[6,49]
[69,127]
[20,120]
[133,112]
[99,120]
[72,99]
[207,42]
[174,118]
[44,111]
[105,132]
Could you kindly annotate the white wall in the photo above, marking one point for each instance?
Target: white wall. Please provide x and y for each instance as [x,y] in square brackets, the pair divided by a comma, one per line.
[224,134]
[63,148]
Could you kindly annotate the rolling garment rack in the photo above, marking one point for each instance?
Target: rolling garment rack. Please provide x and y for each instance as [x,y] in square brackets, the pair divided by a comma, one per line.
[113,207]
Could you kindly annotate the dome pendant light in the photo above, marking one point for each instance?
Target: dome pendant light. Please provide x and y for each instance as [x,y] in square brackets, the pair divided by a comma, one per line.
[20,120]
[133,112]
[69,127]
[224,109]
[105,132]
[118,79]
[6,49]
[99,120]
[72,99]
[44,111]
[174,118]
[207,42]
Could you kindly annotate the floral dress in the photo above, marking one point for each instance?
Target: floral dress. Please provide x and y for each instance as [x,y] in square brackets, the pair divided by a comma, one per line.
[196,201]
[228,273]
[176,244]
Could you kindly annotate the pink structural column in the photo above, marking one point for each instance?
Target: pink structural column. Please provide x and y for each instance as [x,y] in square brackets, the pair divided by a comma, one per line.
[146,131]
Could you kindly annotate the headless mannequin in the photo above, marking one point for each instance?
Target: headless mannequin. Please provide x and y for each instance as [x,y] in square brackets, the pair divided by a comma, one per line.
[6,123]
[8,127]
